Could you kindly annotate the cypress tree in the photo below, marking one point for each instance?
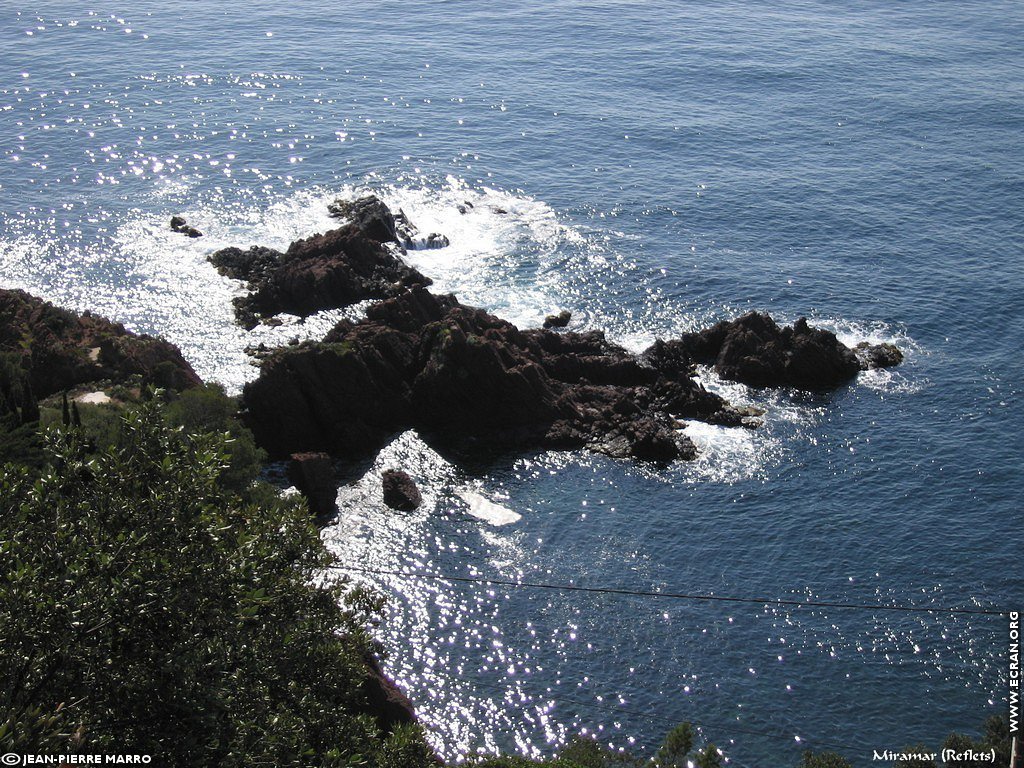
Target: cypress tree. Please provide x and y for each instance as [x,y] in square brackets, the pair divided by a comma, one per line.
[76,419]
[65,413]
[29,404]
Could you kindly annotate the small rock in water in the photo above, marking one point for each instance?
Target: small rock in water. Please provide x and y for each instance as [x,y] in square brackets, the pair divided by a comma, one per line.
[558,321]
[434,240]
[405,230]
[408,235]
[313,475]
[400,491]
[755,350]
[178,224]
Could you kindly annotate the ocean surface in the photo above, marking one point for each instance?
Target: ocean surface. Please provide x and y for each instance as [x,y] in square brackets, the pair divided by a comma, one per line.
[661,166]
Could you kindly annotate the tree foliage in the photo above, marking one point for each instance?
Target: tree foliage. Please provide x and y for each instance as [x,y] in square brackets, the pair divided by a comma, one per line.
[146,610]
[210,409]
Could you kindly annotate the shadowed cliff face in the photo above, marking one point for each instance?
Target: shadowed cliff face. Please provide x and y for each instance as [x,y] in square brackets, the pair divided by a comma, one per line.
[61,349]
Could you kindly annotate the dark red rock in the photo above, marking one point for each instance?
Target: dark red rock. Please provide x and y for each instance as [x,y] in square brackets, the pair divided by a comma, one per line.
[400,491]
[313,474]
[371,215]
[178,224]
[882,355]
[558,321]
[754,350]
[61,350]
[253,265]
[385,701]
[325,271]
[464,377]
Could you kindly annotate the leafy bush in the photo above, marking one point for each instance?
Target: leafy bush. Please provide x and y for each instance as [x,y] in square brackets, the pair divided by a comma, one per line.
[145,610]
[210,409]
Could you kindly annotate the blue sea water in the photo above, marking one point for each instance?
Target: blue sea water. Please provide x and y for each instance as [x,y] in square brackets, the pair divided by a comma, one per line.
[661,165]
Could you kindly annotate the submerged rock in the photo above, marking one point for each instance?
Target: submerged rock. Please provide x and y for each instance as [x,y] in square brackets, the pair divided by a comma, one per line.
[61,350]
[400,491]
[313,475]
[431,241]
[754,350]
[463,377]
[409,235]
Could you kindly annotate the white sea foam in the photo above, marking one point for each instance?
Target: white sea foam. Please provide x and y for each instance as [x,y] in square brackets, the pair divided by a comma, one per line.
[486,510]
[884,380]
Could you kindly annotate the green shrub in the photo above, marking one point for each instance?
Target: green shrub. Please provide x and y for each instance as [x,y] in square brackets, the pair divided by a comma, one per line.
[587,753]
[209,409]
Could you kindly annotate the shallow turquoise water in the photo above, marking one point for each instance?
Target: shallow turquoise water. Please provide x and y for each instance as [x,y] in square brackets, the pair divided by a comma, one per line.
[662,165]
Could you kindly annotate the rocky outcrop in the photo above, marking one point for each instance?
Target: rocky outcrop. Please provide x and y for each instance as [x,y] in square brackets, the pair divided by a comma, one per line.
[253,266]
[313,475]
[464,377]
[882,355]
[400,491]
[325,271]
[371,215]
[558,321]
[755,350]
[178,224]
[61,350]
